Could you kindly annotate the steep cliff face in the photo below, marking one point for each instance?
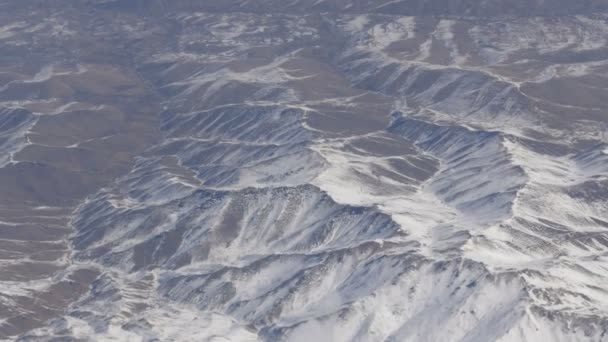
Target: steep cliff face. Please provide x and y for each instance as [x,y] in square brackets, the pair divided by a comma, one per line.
[304,170]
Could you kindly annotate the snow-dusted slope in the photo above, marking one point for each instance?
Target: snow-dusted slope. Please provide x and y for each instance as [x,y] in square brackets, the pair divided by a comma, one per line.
[304,170]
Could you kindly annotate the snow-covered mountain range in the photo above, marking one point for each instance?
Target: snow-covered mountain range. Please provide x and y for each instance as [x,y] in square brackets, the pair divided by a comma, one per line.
[331,170]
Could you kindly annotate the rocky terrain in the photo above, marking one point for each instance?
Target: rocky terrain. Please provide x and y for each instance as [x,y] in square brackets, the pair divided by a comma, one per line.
[308,170]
